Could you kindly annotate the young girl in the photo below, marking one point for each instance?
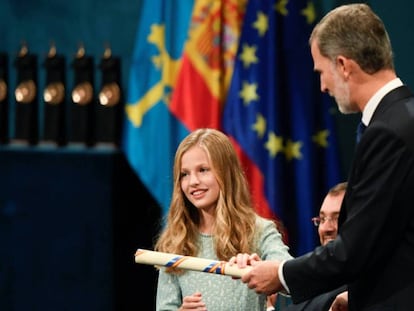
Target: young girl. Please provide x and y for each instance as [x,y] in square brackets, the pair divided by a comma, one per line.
[211,216]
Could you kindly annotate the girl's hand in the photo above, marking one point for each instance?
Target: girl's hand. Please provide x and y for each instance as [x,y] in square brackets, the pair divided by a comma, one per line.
[193,302]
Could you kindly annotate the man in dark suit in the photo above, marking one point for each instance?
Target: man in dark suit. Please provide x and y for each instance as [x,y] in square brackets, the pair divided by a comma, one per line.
[373,253]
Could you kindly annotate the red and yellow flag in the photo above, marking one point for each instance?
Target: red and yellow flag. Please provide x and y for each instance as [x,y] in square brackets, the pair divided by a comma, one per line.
[207,63]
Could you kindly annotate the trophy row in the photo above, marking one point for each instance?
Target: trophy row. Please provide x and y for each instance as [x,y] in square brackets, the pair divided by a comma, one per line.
[86,117]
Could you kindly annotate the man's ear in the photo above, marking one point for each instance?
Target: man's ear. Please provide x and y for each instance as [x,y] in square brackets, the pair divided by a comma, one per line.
[343,66]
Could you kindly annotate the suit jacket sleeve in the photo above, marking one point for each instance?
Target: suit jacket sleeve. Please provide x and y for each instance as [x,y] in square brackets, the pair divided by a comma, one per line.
[377,201]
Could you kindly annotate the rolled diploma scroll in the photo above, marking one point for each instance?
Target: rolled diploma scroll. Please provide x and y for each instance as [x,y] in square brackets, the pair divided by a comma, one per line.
[188,263]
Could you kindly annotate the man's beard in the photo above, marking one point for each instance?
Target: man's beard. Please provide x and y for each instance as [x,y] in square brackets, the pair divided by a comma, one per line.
[341,95]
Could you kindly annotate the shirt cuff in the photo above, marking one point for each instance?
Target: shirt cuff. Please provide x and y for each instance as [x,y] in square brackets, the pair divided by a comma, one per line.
[281,277]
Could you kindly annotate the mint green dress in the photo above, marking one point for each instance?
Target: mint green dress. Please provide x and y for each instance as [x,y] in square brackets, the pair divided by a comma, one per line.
[220,292]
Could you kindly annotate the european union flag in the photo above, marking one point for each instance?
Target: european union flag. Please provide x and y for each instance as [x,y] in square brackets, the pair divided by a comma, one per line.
[277,115]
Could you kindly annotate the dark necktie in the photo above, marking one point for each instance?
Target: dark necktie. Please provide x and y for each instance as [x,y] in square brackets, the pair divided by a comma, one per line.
[360,130]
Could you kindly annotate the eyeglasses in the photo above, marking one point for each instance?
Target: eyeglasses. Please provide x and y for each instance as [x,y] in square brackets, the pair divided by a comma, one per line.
[321,220]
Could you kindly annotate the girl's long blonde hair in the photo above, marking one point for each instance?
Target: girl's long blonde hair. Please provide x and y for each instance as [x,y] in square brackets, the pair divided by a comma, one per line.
[234,229]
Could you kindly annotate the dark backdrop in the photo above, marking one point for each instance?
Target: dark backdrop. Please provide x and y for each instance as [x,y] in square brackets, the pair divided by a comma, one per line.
[70,222]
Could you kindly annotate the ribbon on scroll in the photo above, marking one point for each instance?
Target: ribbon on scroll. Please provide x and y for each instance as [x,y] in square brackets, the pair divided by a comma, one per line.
[148,257]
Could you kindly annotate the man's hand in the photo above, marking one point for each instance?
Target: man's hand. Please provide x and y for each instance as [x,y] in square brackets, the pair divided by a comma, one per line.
[340,303]
[263,277]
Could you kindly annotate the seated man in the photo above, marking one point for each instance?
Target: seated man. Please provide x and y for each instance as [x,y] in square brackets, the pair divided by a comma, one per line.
[327,223]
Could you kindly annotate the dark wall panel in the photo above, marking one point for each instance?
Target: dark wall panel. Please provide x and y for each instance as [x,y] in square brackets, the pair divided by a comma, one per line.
[70,223]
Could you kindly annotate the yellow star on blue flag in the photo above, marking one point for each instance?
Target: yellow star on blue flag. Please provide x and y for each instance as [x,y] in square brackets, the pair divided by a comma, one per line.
[274,108]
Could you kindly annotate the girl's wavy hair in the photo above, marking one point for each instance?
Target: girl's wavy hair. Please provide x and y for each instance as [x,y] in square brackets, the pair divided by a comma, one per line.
[234,228]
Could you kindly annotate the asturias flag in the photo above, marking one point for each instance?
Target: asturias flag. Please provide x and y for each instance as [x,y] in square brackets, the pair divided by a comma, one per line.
[278,118]
[152,132]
